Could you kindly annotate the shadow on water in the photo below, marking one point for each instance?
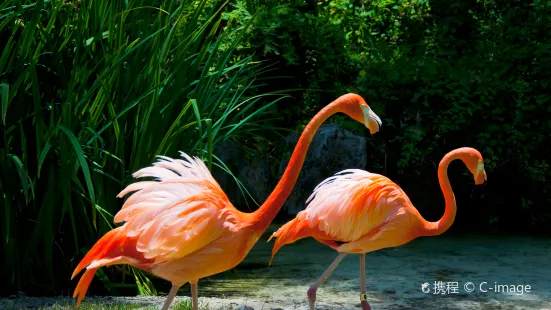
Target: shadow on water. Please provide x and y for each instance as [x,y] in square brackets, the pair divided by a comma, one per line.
[396,275]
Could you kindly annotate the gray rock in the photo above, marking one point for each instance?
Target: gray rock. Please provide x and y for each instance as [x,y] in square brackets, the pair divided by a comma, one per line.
[229,153]
[255,175]
[389,291]
[333,149]
[252,170]
[243,307]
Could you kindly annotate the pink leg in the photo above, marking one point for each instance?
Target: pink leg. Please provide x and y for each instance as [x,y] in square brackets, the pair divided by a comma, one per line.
[312,291]
[194,295]
[363,296]
[170,297]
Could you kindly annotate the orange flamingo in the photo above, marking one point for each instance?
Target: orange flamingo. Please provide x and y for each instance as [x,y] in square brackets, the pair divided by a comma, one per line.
[359,212]
[182,227]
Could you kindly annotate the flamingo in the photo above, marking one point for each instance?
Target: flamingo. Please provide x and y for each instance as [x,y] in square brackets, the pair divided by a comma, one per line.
[356,211]
[181,227]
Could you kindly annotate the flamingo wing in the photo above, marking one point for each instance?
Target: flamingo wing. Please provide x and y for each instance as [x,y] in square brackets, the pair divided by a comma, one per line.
[182,211]
[345,207]
[175,180]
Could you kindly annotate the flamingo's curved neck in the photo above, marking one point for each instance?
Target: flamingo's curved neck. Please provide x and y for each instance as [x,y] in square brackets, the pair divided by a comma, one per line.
[262,217]
[440,226]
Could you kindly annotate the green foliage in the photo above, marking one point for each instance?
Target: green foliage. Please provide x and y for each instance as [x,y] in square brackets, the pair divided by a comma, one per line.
[324,44]
[305,45]
[87,305]
[95,305]
[187,305]
[91,92]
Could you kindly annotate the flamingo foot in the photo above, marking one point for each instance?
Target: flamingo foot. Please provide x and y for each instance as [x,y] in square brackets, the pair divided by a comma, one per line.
[363,302]
[312,297]
[312,290]
[365,305]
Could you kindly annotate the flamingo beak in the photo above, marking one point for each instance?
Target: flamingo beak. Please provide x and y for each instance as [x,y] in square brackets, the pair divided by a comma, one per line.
[481,178]
[371,120]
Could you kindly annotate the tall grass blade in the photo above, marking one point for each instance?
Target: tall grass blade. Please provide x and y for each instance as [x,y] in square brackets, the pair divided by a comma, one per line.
[22,175]
[5,88]
[208,123]
[82,160]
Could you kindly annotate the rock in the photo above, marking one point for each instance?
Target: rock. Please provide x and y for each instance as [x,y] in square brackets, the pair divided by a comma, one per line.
[255,175]
[20,294]
[389,291]
[243,307]
[333,149]
[253,172]
[230,154]
[12,297]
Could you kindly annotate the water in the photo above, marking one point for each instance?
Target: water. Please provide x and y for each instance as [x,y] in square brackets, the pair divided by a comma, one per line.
[394,276]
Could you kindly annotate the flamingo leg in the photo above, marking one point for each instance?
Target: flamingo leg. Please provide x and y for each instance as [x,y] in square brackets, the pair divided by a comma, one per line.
[194,295]
[170,297]
[312,290]
[363,296]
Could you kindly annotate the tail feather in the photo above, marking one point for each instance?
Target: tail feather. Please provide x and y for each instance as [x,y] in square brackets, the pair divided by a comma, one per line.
[98,251]
[83,284]
[102,249]
[290,232]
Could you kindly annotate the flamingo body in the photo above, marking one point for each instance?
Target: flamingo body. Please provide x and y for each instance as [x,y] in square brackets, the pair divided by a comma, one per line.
[354,211]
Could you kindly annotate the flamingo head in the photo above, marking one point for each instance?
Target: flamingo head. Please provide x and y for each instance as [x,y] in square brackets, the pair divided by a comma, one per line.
[355,106]
[480,177]
[475,164]
[370,119]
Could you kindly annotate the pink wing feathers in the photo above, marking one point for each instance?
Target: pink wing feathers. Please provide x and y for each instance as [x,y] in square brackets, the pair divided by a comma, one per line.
[176,180]
[183,211]
[345,207]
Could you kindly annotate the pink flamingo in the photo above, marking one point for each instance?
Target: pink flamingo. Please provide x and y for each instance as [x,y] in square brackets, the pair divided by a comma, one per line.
[359,212]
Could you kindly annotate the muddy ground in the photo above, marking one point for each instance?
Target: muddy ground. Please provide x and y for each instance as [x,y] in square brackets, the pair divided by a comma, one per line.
[470,272]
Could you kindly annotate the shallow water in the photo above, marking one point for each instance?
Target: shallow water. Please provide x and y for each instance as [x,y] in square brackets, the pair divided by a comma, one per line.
[488,265]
